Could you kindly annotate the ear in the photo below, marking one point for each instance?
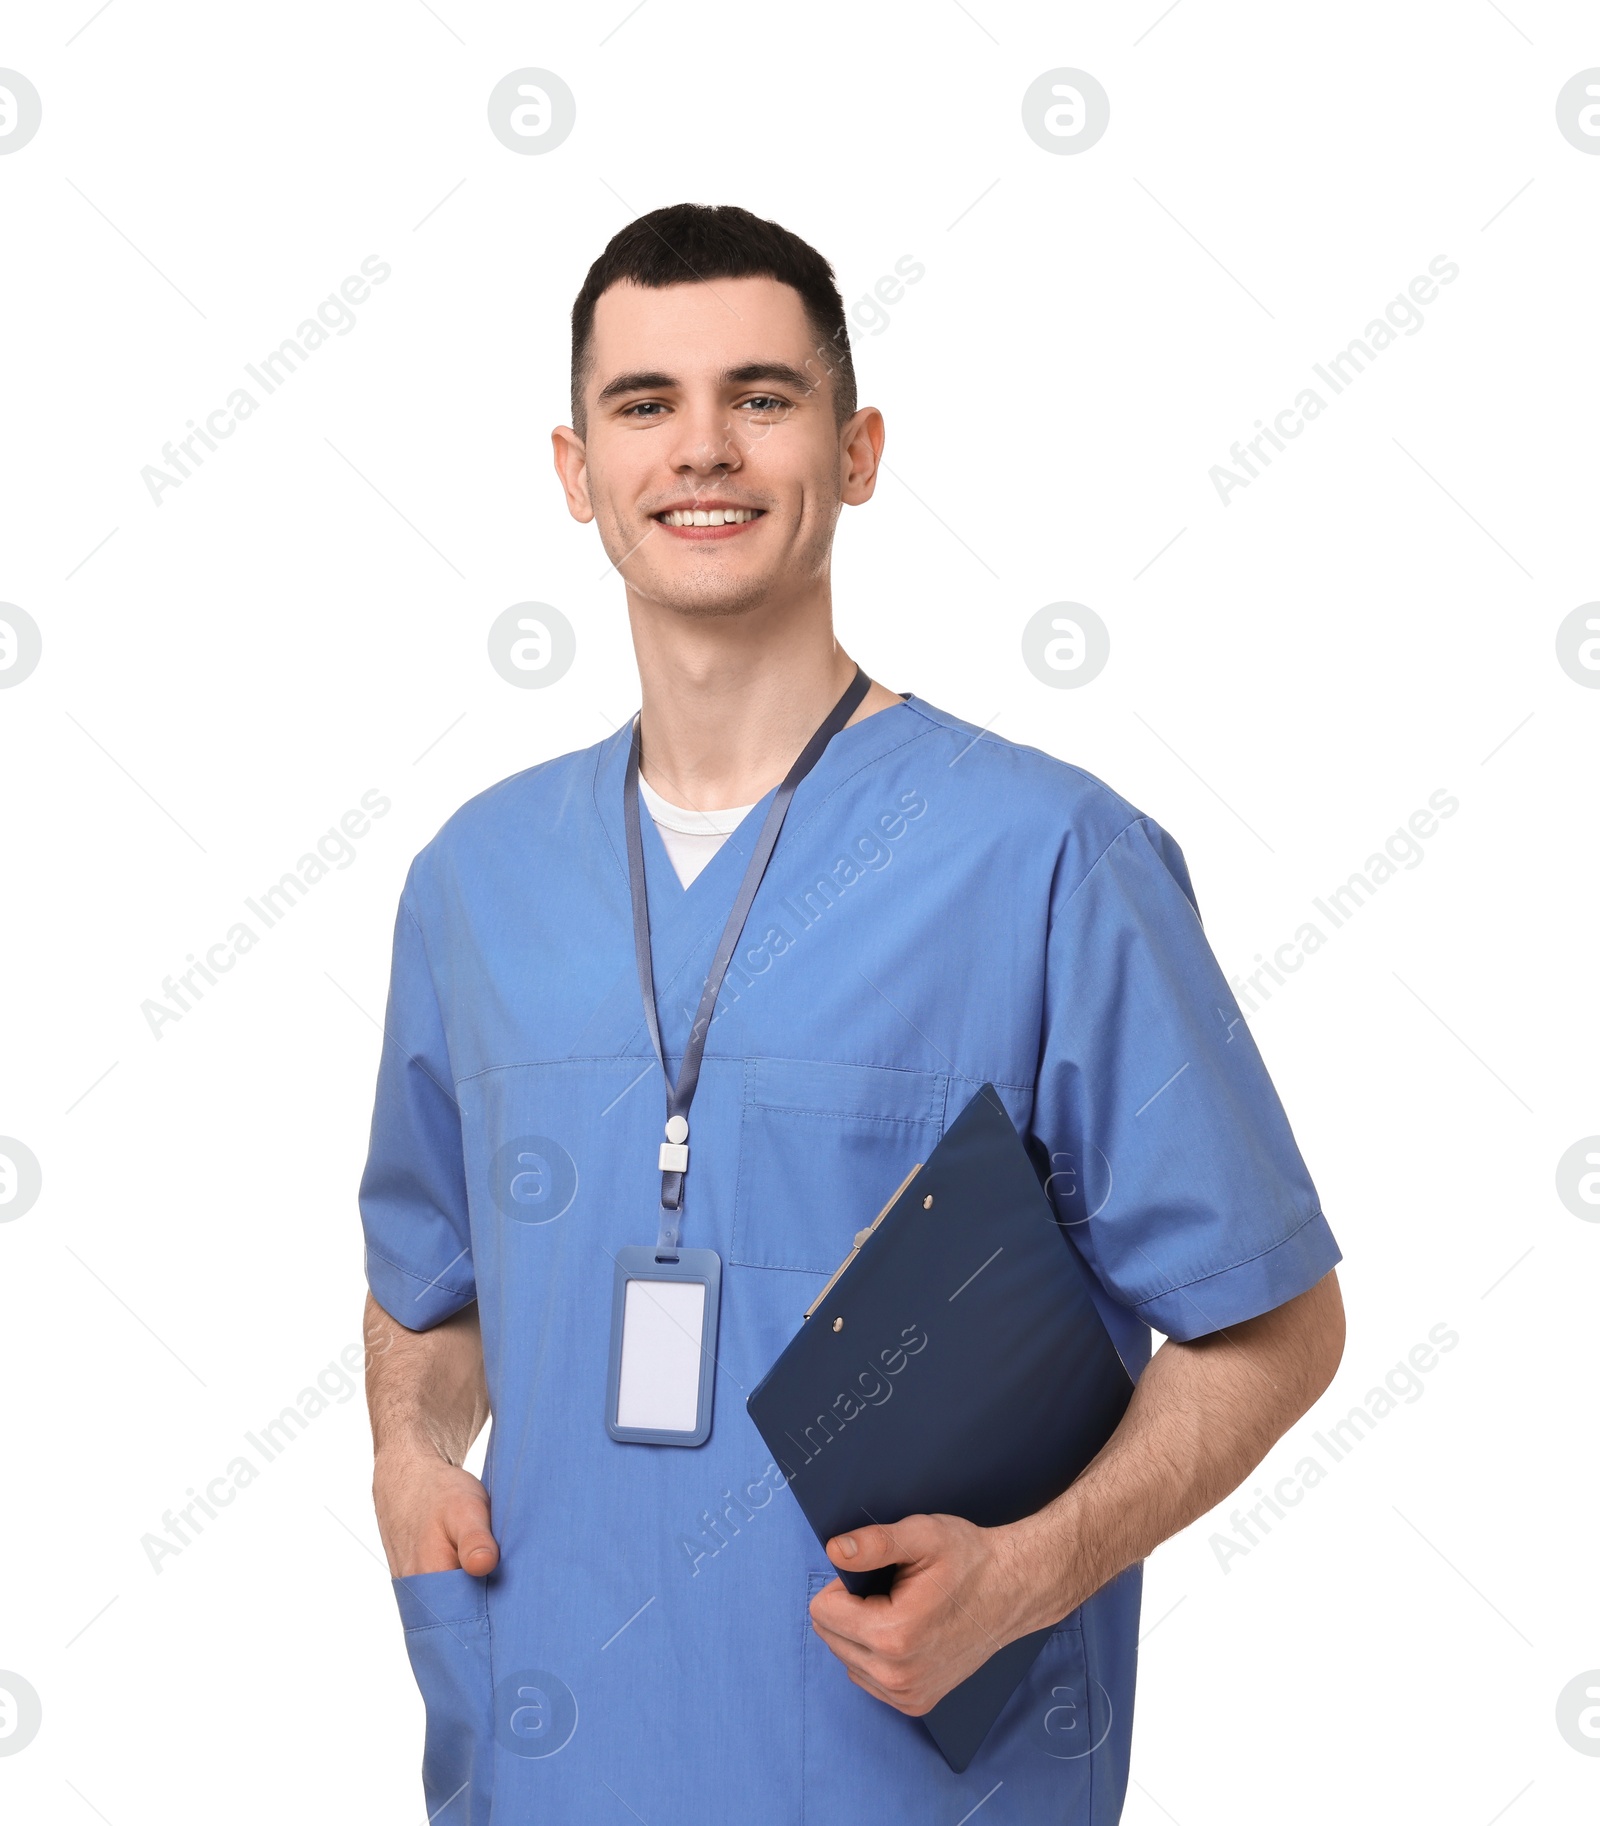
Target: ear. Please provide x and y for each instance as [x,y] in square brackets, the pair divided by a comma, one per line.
[572,466]
[860,453]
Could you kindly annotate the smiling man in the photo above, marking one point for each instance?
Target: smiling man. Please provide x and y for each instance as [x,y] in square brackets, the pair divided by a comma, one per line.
[883,908]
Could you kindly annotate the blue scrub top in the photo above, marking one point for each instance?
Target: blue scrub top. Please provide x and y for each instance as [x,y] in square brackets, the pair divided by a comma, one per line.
[943,908]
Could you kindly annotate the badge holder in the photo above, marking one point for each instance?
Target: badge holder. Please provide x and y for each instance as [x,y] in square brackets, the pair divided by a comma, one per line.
[661,1375]
[663,1357]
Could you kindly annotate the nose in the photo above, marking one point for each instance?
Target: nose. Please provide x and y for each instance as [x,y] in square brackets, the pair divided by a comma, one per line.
[703,443]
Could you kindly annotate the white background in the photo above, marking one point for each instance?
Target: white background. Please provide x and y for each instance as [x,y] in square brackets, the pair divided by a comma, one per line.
[1371,620]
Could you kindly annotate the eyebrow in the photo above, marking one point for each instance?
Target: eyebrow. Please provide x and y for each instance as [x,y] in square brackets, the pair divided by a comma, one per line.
[778,371]
[644,381]
[650,380]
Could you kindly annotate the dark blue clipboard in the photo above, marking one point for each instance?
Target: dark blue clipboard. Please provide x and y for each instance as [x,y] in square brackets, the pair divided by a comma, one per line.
[1014,1386]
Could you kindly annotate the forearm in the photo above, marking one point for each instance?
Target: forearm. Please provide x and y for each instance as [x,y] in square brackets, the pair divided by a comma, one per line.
[425,1390]
[1203,1416]
[428,1401]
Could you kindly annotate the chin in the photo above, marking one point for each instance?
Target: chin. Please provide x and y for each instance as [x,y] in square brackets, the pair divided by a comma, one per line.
[706,595]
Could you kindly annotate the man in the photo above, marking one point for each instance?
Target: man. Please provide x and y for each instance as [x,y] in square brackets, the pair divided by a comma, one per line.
[637,1629]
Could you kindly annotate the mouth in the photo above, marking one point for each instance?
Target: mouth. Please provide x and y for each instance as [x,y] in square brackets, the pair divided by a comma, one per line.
[708,522]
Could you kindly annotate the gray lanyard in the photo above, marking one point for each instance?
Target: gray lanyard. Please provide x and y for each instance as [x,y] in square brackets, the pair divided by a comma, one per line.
[675,1149]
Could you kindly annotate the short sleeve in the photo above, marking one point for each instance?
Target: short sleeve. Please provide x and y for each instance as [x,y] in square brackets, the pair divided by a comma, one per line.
[1174,1168]
[413,1192]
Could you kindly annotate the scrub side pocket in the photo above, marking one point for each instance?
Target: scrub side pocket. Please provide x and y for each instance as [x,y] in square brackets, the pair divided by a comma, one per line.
[446,1620]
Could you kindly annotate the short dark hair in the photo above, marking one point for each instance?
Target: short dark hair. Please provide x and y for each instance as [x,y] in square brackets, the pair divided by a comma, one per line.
[686,243]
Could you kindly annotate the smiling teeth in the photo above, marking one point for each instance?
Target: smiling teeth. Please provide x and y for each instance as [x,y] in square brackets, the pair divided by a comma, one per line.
[709,516]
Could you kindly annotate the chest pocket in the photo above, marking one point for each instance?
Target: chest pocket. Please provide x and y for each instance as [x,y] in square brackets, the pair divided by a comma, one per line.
[821,1147]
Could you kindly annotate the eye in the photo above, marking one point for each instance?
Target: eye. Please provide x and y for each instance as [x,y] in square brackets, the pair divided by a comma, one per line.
[642,409]
[765,402]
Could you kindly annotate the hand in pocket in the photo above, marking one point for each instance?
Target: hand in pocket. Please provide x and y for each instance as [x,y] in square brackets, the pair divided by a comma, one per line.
[433,1517]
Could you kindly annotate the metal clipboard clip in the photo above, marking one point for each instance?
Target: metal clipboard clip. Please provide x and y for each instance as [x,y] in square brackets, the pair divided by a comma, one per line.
[861,1237]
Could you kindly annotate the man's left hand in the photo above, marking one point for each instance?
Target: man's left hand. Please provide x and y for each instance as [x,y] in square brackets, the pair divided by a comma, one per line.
[961,1593]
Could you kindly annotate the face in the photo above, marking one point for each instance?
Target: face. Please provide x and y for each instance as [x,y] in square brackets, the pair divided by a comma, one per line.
[712,463]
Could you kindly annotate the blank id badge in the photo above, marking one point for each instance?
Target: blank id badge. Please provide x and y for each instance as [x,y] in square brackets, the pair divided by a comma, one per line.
[663,1346]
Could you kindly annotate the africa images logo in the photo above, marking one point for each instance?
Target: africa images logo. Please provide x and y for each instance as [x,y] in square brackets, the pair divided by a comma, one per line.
[21,645]
[533,1179]
[20,111]
[20,1713]
[20,1179]
[535,1713]
[531,111]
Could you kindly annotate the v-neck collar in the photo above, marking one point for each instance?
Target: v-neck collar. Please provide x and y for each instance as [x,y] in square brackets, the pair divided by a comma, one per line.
[684,921]
[662,880]
[853,747]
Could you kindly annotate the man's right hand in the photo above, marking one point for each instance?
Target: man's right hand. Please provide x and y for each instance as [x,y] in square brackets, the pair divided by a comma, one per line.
[426,1395]
[433,1517]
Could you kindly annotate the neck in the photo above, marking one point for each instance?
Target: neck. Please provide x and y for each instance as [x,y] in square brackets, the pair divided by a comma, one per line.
[729,701]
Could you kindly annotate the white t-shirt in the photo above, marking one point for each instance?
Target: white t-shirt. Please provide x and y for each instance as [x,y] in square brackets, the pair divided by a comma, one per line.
[691,838]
